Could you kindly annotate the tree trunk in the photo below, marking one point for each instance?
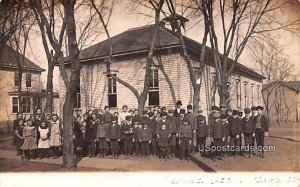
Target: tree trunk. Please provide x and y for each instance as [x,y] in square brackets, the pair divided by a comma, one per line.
[196,98]
[224,95]
[49,88]
[141,103]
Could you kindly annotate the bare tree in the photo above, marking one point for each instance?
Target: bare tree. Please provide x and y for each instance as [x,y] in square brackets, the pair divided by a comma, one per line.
[141,97]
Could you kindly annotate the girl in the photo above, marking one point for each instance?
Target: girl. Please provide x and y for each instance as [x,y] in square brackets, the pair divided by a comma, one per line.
[43,145]
[19,139]
[15,126]
[55,136]
[29,146]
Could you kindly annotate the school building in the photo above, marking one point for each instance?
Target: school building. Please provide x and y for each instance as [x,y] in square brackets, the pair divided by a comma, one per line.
[170,80]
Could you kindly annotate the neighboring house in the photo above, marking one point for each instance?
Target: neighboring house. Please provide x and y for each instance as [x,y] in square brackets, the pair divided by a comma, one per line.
[33,95]
[282,100]
[170,79]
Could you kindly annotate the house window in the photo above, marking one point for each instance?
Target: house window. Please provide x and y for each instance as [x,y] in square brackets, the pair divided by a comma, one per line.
[77,103]
[17,78]
[112,92]
[26,104]
[28,80]
[154,88]
[15,105]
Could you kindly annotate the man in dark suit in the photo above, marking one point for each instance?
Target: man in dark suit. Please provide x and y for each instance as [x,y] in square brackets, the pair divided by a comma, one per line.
[262,129]
[177,109]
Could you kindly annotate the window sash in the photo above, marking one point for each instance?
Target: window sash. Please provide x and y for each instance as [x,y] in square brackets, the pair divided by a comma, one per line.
[28,80]
[17,77]
[26,104]
[15,105]
[154,82]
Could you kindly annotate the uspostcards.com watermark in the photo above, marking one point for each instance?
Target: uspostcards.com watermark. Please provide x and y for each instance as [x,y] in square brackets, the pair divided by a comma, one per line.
[244,148]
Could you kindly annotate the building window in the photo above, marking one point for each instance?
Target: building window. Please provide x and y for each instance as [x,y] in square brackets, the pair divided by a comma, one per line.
[238,102]
[77,103]
[15,105]
[154,88]
[26,104]
[258,93]
[17,78]
[28,80]
[112,92]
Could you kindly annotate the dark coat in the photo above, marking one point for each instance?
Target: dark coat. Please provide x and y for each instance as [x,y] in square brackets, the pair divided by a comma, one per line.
[163,140]
[248,125]
[192,120]
[174,124]
[77,132]
[235,127]
[91,131]
[145,134]
[114,132]
[107,117]
[153,127]
[127,131]
[159,124]
[185,131]
[102,129]
[202,128]
[217,130]
[264,123]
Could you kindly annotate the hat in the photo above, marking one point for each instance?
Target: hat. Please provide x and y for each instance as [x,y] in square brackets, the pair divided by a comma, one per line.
[144,112]
[240,113]
[216,115]
[260,108]
[150,114]
[182,111]
[247,110]
[223,116]
[128,118]
[178,103]
[235,112]
[229,110]
[201,118]
[185,119]
[124,106]
[163,114]
[189,107]
[170,111]
[213,107]
[114,118]
[253,108]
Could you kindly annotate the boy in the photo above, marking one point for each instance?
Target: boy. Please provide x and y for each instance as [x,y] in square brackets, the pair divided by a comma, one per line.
[262,129]
[193,122]
[174,128]
[185,139]
[77,135]
[163,142]
[107,115]
[113,136]
[248,131]
[127,136]
[135,140]
[217,134]
[90,135]
[226,132]
[153,127]
[145,137]
[177,108]
[101,136]
[234,131]
[202,132]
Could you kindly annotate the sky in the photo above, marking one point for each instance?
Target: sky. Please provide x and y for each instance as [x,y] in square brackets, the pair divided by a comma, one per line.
[123,19]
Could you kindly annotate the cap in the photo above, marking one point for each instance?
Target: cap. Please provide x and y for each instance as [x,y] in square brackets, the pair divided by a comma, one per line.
[253,108]
[241,113]
[170,111]
[114,118]
[260,108]
[163,114]
[182,111]
[150,114]
[189,107]
[178,103]
[247,110]
[216,115]
[235,112]
[144,112]
[213,107]
[223,116]
[128,118]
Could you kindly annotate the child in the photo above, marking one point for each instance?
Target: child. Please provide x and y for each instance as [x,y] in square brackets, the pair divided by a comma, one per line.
[90,135]
[101,136]
[163,142]
[234,131]
[29,146]
[202,132]
[19,139]
[153,126]
[145,137]
[135,140]
[226,132]
[113,136]
[174,127]
[77,135]
[248,131]
[127,136]
[217,134]
[185,139]
[16,126]
[55,136]
[43,144]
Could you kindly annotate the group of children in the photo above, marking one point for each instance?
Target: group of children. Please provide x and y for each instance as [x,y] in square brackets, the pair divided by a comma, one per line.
[155,132]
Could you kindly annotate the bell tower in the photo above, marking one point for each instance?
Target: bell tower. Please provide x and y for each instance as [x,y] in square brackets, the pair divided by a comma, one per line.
[172,21]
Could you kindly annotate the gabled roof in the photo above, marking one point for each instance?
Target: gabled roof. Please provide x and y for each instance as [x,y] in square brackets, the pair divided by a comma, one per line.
[9,60]
[294,85]
[137,40]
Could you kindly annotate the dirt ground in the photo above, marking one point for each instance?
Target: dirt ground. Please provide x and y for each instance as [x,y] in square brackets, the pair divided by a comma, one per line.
[285,158]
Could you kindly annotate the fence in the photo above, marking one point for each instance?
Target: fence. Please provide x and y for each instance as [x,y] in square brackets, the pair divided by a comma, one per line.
[6,127]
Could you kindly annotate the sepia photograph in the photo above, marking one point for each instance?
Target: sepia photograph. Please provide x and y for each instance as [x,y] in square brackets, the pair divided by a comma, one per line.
[150,92]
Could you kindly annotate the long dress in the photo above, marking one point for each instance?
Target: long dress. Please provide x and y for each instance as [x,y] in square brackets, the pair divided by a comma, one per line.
[44,140]
[55,134]
[30,138]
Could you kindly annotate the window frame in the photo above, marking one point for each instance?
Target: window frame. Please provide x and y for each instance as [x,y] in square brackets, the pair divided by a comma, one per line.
[28,80]
[17,78]
[27,105]
[112,91]
[154,87]
[13,104]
